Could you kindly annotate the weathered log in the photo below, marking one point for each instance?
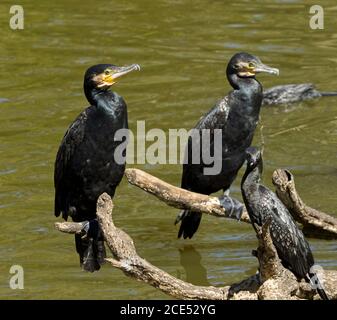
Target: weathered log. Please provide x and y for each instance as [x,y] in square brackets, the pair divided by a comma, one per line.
[315,223]
[273,282]
[177,197]
[74,227]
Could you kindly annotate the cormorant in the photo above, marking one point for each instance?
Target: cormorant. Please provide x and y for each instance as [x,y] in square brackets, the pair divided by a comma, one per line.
[262,204]
[86,165]
[292,93]
[236,115]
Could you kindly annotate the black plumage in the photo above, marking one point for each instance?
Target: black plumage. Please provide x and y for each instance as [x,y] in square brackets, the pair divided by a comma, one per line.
[236,115]
[292,93]
[263,205]
[86,163]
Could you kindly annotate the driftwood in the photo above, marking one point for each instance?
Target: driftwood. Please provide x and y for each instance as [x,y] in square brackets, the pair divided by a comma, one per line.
[316,224]
[273,281]
[177,197]
[74,227]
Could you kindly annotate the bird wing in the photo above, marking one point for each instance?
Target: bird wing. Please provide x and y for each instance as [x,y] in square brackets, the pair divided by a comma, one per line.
[216,117]
[292,248]
[70,142]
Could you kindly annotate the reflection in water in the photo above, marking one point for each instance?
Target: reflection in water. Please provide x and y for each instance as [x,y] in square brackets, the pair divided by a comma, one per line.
[190,259]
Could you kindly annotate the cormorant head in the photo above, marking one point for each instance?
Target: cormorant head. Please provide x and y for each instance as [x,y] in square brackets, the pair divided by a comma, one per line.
[254,159]
[103,76]
[245,65]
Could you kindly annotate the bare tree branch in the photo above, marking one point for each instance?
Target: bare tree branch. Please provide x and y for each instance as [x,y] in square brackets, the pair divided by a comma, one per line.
[73,227]
[178,197]
[270,264]
[127,259]
[273,282]
[315,223]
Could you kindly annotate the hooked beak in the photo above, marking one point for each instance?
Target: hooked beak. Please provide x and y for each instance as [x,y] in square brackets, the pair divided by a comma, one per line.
[107,80]
[264,68]
[121,71]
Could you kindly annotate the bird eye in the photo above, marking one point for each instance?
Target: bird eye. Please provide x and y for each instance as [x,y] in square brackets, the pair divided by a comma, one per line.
[251,64]
[107,72]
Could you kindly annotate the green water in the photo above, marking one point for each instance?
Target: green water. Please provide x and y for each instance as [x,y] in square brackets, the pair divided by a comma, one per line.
[183,48]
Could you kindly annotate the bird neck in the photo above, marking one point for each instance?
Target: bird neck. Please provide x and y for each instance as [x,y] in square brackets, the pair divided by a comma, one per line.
[251,179]
[248,96]
[239,83]
[105,101]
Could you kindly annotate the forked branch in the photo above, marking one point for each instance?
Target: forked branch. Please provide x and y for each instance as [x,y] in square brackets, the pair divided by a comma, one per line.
[274,282]
[316,224]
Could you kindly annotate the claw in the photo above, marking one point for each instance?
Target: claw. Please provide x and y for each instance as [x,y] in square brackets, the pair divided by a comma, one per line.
[90,229]
[233,208]
[85,225]
[85,236]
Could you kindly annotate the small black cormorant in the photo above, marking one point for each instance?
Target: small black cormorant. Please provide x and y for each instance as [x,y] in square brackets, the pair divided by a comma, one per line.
[262,205]
[85,165]
[236,115]
[292,93]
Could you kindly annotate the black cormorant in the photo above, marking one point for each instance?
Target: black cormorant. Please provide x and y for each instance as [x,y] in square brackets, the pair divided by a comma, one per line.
[86,165]
[237,116]
[262,204]
[292,93]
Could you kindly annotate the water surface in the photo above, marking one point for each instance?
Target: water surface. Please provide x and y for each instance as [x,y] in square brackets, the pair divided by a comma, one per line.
[183,48]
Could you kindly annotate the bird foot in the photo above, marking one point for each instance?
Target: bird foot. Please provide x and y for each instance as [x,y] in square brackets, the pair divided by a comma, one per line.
[233,208]
[91,229]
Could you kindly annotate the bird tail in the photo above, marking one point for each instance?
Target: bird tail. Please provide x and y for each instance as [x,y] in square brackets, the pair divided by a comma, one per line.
[315,283]
[329,94]
[190,222]
[91,251]
[322,294]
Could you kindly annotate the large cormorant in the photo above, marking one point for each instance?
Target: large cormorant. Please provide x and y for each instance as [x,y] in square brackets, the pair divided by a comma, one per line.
[292,93]
[236,115]
[262,205]
[86,165]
